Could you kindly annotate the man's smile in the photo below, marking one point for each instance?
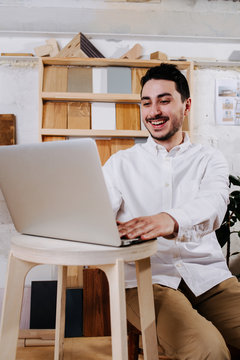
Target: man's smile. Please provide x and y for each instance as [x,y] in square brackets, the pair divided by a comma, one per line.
[157,121]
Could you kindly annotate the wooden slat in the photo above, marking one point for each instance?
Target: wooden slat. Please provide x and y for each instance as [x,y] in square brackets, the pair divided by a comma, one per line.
[7,129]
[137,74]
[55,115]
[130,98]
[95,133]
[110,62]
[53,138]
[104,150]
[79,115]
[44,334]
[108,147]
[121,144]
[55,78]
[96,306]
[128,117]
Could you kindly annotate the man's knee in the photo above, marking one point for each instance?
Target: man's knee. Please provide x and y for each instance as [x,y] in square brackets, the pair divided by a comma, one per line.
[203,346]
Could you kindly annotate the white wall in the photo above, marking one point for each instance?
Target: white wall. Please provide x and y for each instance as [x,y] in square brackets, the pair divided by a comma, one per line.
[19,95]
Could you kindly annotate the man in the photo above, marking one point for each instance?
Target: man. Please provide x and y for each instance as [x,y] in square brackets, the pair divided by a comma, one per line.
[176,191]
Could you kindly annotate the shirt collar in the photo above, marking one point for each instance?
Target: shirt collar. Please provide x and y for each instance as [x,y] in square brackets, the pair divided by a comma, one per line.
[155,148]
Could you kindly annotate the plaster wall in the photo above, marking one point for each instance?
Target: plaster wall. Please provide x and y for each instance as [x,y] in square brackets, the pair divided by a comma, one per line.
[199,18]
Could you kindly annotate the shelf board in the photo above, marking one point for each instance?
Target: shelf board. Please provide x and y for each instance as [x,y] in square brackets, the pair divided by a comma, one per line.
[95,62]
[94,133]
[202,64]
[91,97]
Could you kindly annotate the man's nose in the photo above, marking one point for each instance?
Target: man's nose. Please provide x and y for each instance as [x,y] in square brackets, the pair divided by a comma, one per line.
[155,110]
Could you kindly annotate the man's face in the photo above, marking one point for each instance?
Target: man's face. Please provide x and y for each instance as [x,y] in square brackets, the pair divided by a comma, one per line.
[163,110]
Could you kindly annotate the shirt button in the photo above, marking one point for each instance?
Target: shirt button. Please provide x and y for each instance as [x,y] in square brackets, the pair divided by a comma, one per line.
[166,184]
[179,265]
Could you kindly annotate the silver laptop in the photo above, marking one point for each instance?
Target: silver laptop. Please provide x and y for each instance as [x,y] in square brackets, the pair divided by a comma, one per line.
[57,189]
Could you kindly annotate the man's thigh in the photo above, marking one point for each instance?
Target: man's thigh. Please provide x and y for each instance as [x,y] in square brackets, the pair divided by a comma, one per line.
[221,305]
[182,332]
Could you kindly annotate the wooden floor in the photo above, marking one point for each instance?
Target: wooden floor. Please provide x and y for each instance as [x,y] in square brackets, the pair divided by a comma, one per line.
[74,349]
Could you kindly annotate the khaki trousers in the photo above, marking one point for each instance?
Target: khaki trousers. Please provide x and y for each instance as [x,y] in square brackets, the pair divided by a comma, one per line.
[190,327]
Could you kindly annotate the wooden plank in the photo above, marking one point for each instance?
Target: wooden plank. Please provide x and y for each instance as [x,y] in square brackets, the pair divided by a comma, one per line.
[108,147]
[79,115]
[55,115]
[83,348]
[121,144]
[112,62]
[53,138]
[7,129]
[128,117]
[129,98]
[96,306]
[43,50]
[95,133]
[137,74]
[55,78]
[44,334]
[55,48]
[104,149]
[17,54]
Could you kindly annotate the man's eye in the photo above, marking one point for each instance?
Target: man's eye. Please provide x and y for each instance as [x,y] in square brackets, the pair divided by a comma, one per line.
[146,104]
[165,102]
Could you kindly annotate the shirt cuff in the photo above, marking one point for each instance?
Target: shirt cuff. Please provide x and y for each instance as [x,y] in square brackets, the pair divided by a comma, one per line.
[184,225]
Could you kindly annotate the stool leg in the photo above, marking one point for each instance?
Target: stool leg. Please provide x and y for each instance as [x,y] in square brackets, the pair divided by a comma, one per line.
[12,303]
[146,307]
[115,275]
[60,312]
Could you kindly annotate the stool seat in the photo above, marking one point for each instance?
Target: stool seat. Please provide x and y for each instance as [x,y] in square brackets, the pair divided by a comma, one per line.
[28,251]
[64,252]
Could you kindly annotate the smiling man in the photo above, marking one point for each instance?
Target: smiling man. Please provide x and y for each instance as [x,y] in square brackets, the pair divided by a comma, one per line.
[177,191]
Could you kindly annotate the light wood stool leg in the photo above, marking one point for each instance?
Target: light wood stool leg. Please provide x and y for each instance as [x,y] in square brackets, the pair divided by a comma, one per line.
[12,303]
[115,275]
[146,306]
[60,312]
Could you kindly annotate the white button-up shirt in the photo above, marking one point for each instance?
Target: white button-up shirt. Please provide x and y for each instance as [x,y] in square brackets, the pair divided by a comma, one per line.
[190,183]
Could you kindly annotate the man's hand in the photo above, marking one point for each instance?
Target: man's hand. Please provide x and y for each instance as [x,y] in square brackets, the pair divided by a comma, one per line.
[148,227]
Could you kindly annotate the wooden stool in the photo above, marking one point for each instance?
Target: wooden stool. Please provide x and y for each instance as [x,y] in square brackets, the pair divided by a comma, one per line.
[29,251]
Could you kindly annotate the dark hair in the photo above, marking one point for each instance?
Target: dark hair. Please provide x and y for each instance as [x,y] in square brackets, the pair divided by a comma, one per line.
[168,72]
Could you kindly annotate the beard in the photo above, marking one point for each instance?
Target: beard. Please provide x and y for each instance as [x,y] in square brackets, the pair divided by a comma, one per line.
[176,125]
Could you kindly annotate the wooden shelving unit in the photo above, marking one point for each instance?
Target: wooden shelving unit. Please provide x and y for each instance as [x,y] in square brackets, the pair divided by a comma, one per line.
[64,114]
[55,100]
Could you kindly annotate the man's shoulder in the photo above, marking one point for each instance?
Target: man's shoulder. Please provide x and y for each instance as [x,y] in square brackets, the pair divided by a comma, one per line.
[208,151]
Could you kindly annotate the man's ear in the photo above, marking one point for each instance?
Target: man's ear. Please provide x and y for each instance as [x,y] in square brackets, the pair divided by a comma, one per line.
[187,106]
